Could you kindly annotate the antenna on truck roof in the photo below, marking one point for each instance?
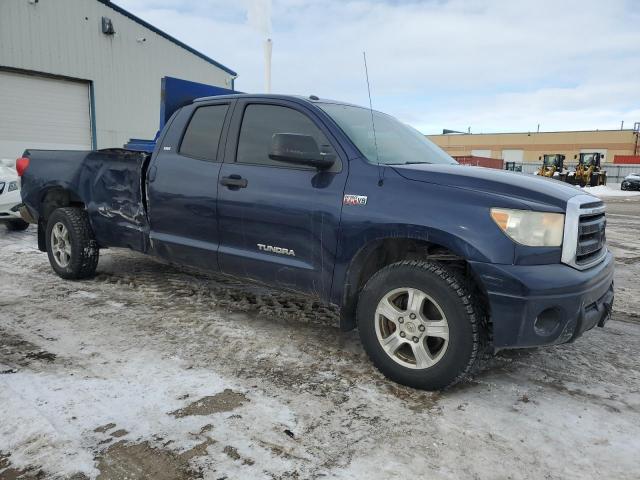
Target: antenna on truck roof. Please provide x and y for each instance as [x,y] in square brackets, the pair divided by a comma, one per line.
[373,124]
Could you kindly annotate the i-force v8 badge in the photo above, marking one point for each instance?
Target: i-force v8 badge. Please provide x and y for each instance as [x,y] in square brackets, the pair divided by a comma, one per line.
[357,200]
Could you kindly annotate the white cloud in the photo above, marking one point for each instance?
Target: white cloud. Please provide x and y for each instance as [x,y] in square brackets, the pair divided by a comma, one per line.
[490,64]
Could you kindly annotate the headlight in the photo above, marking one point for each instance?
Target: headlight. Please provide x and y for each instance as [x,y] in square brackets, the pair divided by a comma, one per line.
[534,229]
[12,186]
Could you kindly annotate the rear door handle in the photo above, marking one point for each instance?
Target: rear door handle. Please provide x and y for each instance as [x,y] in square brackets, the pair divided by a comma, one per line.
[234,182]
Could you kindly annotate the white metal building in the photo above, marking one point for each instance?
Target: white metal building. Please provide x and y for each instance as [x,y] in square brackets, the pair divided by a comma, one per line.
[79,74]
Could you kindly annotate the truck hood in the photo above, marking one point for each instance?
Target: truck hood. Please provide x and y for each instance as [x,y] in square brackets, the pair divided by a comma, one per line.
[529,188]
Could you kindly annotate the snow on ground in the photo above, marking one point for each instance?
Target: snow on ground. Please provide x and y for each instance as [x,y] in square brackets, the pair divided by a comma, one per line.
[149,371]
[612,190]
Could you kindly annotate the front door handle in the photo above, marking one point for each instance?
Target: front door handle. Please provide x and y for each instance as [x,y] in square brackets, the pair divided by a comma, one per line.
[234,182]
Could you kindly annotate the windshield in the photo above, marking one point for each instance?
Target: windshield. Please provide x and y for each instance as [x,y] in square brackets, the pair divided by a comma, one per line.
[589,159]
[398,144]
[550,160]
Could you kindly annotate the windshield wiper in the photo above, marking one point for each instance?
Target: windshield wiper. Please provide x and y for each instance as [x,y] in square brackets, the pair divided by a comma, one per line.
[410,163]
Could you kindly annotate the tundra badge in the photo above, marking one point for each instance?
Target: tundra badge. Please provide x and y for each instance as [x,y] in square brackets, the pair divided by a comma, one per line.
[280,250]
[358,200]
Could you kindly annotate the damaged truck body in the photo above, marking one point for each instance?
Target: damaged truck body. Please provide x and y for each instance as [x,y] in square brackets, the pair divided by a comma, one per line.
[432,261]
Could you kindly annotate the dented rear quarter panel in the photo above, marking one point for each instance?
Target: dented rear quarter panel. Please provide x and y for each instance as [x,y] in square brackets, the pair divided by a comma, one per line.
[108,182]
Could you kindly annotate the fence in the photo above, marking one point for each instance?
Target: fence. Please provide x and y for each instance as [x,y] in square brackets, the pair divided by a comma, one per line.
[615,173]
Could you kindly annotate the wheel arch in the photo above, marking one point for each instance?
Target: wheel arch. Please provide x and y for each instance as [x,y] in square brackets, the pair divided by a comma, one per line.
[52,198]
[58,196]
[380,252]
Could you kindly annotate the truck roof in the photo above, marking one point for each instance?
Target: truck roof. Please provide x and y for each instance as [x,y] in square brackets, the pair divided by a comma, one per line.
[310,98]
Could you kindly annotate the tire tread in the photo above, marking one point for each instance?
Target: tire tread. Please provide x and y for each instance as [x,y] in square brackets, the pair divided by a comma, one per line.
[467,300]
[78,221]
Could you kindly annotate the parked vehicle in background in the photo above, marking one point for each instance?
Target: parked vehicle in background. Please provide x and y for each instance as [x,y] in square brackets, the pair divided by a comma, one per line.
[588,171]
[552,166]
[432,261]
[631,182]
[10,196]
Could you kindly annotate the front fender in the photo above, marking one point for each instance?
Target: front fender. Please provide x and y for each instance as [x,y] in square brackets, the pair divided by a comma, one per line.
[454,218]
[351,251]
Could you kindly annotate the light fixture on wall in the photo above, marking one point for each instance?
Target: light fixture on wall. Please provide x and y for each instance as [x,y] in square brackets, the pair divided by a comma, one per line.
[107,26]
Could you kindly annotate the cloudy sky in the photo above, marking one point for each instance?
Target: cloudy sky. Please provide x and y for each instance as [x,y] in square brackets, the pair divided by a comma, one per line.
[492,65]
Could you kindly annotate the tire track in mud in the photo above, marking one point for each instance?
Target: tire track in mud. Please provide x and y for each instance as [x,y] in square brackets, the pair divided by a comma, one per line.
[327,371]
[318,362]
[281,346]
[182,288]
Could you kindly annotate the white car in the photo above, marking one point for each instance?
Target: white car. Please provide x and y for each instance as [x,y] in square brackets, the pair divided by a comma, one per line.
[10,196]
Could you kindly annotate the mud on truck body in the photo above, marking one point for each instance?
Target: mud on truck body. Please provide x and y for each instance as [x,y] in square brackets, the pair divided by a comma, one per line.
[433,262]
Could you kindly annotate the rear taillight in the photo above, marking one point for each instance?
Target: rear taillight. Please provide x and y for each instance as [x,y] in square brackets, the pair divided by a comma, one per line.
[21,165]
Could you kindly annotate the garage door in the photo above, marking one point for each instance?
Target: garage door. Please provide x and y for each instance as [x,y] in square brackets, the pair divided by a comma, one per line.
[41,112]
[513,155]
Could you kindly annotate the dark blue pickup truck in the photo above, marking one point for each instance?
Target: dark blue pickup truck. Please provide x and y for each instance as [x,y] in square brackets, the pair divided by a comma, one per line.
[433,261]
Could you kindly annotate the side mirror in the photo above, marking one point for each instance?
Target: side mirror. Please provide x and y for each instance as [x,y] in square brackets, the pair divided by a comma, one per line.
[575,156]
[540,157]
[300,150]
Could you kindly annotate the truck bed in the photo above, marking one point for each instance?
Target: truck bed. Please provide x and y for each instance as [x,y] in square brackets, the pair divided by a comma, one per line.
[109,183]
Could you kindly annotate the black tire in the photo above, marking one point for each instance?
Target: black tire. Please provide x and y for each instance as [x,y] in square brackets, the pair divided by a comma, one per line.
[623,186]
[17,225]
[456,303]
[84,252]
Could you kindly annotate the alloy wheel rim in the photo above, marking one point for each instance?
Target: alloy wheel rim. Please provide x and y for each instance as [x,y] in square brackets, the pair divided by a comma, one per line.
[60,245]
[411,328]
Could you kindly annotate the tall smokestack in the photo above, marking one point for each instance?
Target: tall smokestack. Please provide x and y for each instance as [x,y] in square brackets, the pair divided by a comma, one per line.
[268,47]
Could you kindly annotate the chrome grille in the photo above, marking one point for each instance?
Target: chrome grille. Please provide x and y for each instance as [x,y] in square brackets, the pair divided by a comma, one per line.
[584,243]
[591,237]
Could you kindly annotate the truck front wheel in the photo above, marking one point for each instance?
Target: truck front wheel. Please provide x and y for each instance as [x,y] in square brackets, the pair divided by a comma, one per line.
[71,247]
[418,325]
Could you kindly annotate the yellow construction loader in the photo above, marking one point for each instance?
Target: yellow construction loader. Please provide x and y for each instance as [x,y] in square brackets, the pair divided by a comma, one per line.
[588,171]
[552,166]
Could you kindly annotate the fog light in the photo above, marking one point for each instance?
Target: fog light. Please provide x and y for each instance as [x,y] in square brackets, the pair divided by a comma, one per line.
[548,321]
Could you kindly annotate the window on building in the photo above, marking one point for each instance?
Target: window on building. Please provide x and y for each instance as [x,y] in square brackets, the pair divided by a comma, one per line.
[203,133]
[481,153]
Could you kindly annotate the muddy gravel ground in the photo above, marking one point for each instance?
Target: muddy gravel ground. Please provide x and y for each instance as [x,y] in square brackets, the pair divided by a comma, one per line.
[150,371]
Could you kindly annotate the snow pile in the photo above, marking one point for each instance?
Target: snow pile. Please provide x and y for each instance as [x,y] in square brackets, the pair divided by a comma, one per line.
[52,416]
[610,191]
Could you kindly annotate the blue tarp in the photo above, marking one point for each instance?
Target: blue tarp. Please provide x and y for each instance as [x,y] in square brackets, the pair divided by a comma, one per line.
[175,93]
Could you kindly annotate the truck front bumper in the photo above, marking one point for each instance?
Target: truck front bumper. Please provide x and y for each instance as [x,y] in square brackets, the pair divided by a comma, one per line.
[533,305]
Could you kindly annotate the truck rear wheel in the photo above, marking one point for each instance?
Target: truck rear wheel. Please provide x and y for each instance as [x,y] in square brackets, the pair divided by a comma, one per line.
[418,325]
[71,246]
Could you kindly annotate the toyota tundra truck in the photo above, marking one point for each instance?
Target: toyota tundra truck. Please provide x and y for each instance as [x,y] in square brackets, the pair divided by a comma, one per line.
[432,261]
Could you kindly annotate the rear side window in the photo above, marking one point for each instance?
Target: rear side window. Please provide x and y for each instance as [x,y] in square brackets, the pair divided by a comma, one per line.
[203,132]
[259,124]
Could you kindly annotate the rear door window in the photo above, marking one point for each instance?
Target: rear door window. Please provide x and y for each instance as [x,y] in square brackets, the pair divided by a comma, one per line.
[202,137]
